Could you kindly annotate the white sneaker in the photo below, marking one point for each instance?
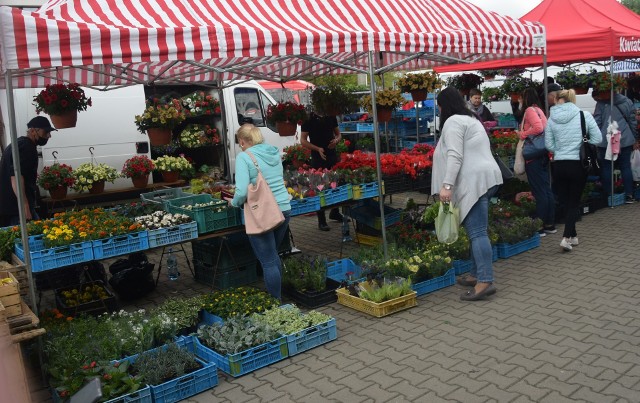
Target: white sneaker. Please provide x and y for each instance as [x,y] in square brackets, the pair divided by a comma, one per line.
[574,241]
[566,244]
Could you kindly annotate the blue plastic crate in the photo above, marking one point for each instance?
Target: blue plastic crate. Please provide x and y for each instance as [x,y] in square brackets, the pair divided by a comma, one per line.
[616,200]
[462,266]
[171,235]
[348,126]
[494,253]
[365,190]
[140,396]
[337,195]
[53,258]
[251,359]
[120,245]
[369,214]
[338,269]
[506,250]
[312,337]
[304,206]
[636,193]
[364,127]
[426,287]
[162,196]
[207,318]
[424,112]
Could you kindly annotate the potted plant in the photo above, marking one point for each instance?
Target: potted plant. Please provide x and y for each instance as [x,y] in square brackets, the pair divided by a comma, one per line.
[286,116]
[365,143]
[170,167]
[465,82]
[236,301]
[297,155]
[56,179]
[514,86]
[138,169]
[490,74]
[568,78]
[62,102]
[603,83]
[517,234]
[158,119]
[198,135]
[513,72]
[305,280]
[93,177]
[332,100]
[386,102]
[419,84]
[199,103]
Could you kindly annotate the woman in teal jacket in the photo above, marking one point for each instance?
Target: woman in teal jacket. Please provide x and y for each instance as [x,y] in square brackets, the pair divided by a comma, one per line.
[563,137]
[264,245]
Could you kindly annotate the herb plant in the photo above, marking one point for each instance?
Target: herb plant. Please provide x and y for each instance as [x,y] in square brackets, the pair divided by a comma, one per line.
[305,273]
[163,364]
[289,319]
[236,334]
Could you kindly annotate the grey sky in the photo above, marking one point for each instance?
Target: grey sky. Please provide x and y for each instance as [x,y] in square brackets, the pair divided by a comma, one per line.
[512,8]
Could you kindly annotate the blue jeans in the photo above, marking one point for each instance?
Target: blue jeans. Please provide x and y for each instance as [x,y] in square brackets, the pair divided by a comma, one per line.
[265,246]
[624,162]
[538,176]
[476,223]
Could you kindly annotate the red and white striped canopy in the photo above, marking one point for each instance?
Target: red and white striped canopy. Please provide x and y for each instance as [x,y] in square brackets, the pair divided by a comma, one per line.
[108,43]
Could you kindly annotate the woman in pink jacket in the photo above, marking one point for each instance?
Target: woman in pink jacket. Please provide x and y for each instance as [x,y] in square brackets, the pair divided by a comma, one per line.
[537,169]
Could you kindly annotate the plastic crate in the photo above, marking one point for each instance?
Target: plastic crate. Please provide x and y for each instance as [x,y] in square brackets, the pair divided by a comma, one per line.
[506,250]
[312,337]
[616,200]
[348,126]
[244,275]
[207,318]
[422,182]
[209,218]
[171,235]
[338,269]
[411,113]
[369,240]
[249,360]
[228,252]
[337,195]
[139,396]
[636,193]
[462,266]
[120,245]
[426,287]
[304,206]
[377,310]
[364,127]
[96,307]
[365,190]
[494,253]
[162,196]
[369,214]
[53,258]
[314,299]
[396,184]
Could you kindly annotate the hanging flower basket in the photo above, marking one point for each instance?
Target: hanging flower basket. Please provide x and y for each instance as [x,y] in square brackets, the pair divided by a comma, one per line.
[419,95]
[58,193]
[159,136]
[384,114]
[286,129]
[514,97]
[581,90]
[97,187]
[65,120]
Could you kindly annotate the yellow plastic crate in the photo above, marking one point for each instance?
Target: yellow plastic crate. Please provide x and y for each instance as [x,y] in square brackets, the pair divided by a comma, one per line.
[377,310]
[369,240]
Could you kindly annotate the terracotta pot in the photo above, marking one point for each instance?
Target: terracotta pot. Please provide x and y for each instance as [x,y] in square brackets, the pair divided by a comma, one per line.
[581,90]
[514,97]
[419,95]
[170,176]
[286,129]
[97,188]
[384,114]
[58,193]
[65,120]
[604,95]
[489,77]
[297,163]
[140,182]
[159,136]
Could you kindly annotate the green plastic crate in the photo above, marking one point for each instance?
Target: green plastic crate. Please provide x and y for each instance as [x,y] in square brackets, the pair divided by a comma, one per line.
[209,218]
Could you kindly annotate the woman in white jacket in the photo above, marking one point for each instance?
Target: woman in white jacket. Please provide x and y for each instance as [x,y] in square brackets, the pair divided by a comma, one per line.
[563,137]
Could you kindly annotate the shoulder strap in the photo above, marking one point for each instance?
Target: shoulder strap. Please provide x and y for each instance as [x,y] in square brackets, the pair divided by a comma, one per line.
[255,163]
[583,127]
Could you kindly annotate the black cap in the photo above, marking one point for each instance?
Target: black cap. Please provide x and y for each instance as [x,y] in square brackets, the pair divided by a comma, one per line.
[553,87]
[40,122]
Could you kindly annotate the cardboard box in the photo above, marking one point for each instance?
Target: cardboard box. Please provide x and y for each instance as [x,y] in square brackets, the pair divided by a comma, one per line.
[10,294]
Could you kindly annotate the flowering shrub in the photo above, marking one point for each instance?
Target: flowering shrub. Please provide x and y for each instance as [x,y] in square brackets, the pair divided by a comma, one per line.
[517,229]
[410,237]
[492,94]
[57,99]
[238,301]
[490,72]
[504,142]
[161,219]
[384,99]
[602,82]
[465,81]
[137,166]
[198,135]
[160,115]
[343,146]
[513,72]
[297,152]
[169,163]
[286,112]
[56,175]
[419,81]
[516,85]
[406,162]
[87,174]
[199,103]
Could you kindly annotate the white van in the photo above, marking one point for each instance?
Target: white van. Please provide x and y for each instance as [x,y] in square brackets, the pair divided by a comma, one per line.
[106,131]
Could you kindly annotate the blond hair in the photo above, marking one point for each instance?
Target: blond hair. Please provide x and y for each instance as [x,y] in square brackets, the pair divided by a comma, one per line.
[568,95]
[250,134]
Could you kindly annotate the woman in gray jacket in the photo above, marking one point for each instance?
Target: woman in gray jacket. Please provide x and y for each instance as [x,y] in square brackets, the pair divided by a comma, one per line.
[466,174]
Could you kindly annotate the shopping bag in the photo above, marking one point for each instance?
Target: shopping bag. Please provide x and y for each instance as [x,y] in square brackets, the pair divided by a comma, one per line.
[635,165]
[518,167]
[447,223]
[613,142]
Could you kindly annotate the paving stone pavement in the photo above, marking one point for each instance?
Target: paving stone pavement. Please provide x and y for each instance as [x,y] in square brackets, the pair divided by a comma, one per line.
[562,327]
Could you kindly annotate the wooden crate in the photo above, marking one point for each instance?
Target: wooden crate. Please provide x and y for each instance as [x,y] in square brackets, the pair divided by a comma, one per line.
[10,294]
[19,271]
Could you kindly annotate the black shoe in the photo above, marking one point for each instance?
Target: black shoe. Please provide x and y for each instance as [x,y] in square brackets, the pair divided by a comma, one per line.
[323,227]
[465,281]
[337,217]
[629,199]
[471,295]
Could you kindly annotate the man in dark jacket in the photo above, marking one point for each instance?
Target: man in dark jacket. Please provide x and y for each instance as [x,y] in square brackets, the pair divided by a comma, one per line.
[623,112]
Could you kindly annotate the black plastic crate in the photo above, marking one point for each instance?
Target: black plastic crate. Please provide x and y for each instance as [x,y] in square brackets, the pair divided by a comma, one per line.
[314,299]
[423,182]
[95,307]
[227,252]
[396,183]
[243,275]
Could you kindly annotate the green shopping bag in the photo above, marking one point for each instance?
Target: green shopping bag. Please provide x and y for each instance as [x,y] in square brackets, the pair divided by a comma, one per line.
[447,223]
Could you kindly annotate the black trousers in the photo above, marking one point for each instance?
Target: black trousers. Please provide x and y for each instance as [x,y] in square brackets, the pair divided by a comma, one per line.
[569,180]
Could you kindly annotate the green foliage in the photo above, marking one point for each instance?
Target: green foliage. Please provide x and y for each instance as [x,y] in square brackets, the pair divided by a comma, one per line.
[289,319]
[333,99]
[465,81]
[163,364]
[305,273]
[517,229]
[387,291]
[633,5]
[183,310]
[491,94]
[238,301]
[365,174]
[430,213]
[236,334]
[8,236]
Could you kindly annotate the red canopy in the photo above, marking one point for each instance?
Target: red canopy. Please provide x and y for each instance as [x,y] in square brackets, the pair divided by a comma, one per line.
[577,31]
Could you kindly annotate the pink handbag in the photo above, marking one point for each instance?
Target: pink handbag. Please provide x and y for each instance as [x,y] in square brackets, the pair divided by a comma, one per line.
[261,211]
